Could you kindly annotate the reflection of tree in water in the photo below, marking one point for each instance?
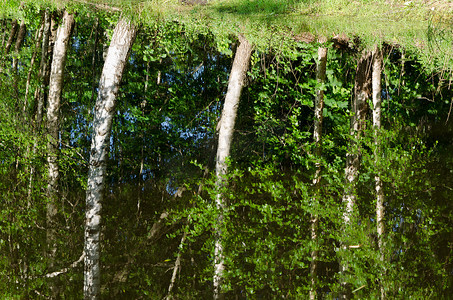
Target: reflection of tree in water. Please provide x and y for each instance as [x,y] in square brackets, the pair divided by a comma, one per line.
[159,212]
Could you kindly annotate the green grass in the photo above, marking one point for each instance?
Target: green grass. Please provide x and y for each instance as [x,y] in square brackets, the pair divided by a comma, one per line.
[423,26]
[419,25]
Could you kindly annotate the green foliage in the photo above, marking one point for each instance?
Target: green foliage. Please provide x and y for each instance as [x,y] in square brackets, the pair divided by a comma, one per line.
[161,181]
[21,200]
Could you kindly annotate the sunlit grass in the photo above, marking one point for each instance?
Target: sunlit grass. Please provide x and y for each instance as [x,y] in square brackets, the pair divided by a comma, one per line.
[419,25]
[422,25]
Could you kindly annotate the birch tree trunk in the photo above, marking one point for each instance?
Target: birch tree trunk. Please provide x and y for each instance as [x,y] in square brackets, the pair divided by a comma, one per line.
[12,34]
[177,265]
[226,128]
[9,42]
[120,45]
[53,128]
[94,58]
[362,93]
[380,210]
[317,134]
[43,75]
[19,41]
[32,62]
[40,94]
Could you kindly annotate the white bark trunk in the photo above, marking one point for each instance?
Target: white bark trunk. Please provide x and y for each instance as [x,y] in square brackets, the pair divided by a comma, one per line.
[235,83]
[362,92]
[53,127]
[317,134]
[319,105]
[122,40]
[177,265]
[380,210]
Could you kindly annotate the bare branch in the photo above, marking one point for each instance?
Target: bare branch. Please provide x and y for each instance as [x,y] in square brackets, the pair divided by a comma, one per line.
[358,289]
[64,270]
[424,98]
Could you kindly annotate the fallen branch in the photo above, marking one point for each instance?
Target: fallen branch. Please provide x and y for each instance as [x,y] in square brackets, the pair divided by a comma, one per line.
[64,270]
[358,289]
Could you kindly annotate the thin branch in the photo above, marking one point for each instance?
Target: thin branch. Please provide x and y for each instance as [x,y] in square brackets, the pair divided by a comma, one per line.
[41,295]
[424,98]
[177,266]
[358,289]
[449,111]
[64,270]
[84,160]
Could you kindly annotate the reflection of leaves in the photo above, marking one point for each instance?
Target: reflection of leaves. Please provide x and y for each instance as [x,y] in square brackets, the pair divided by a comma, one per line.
[332,103]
